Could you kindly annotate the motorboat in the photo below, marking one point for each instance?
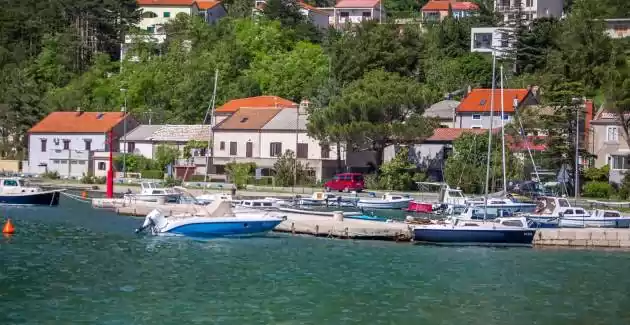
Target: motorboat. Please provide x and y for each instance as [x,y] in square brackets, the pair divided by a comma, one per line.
[549,210]
[219,221]
[260,204]
[153,192]
[501,231]
[387,201]
[14,191]
[449,199]
[478,212]
[578,218]
[505,204]
[209,198]
[328,199]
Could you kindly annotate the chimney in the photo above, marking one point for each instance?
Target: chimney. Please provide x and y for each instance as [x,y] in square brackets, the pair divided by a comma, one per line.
[535,91]
[79,112]
[515,102]
[469,89]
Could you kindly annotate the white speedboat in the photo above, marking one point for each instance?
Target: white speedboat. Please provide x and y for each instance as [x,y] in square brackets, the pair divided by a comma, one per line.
[209,198]
[13,191]
[388,201]
[260,204]
[577,218]
[325,198]
[153,192]
[220,221]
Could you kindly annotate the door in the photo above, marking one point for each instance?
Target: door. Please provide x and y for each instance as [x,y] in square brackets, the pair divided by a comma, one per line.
[249,149]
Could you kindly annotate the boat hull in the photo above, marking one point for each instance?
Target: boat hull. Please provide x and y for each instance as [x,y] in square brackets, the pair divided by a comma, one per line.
[401,204]
[448,235]
[594,222]
[419,207]
[49,198]
[222,228]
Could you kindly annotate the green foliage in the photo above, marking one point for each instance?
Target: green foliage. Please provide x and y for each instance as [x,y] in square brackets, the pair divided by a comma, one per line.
[597,189]
[597,174]
[89,179]
[170,182]
[466,167]
[399,174]
[239,173]
[51,175]
[134,163]
[152,174]
[194,145]
[624,188]
[285,168]
[165,155]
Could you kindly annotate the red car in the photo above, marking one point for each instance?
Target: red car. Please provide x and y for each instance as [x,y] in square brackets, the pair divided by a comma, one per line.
[346,182]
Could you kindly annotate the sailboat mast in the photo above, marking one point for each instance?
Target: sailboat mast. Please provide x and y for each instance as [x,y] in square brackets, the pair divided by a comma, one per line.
[494,66]
[210,151]
[503,133]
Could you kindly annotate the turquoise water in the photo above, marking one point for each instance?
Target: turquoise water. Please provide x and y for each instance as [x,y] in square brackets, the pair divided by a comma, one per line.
[72,265]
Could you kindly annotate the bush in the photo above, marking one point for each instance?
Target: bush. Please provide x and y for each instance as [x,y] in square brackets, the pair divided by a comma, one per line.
[598,190]
[153,174]
[239,173]
[170,181]
[197,178]
[597,174]
[51,175]
[624,188]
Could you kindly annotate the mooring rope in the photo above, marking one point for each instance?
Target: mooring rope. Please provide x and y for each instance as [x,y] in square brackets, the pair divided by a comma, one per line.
[76,197]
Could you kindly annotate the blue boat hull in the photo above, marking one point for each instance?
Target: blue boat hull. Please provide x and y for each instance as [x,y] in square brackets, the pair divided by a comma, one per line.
[478,236]
[49,198]
[223,229]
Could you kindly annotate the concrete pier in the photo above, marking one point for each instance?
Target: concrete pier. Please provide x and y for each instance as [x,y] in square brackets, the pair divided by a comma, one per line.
[322,226]
[587,237]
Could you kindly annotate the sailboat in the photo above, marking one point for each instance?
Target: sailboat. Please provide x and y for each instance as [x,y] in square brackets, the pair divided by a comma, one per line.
[501,231]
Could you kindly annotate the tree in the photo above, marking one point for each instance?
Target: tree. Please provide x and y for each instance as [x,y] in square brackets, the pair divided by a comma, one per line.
[399,173]
[288,13]
[535,44]
[380,109]
[286,167]
[165,155]
[239,173]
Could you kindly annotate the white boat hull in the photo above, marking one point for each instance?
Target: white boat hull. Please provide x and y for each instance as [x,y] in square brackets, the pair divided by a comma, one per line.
[384,204]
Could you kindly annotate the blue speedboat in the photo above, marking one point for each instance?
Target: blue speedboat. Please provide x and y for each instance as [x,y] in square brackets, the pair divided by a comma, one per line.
[220,221]
[367,217]
[502,231]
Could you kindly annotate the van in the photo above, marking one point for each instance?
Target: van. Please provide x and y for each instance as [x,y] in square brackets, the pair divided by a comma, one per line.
[346,182]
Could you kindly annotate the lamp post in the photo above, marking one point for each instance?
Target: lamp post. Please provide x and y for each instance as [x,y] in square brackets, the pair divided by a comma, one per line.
[303,106]
[124,110]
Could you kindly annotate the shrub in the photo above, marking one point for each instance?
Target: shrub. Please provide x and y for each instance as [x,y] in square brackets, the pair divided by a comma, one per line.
[598,190]
[89,179]
[51,175]
[597,174]
[197,178]
[170,181]
[153,174]
[624,188]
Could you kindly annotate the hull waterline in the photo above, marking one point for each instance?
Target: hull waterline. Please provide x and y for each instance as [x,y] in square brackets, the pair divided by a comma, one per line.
[46,198]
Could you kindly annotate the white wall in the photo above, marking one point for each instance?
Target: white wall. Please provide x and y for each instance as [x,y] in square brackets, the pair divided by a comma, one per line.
[77,145]
[498,34]
[318,19]
[355,16]
[141,148]
[160,10]
[241,138]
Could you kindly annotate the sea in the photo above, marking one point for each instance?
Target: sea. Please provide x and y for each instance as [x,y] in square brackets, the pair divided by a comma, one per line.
[74,265]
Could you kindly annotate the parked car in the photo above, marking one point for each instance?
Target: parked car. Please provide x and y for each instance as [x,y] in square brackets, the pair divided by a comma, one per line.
[346,182]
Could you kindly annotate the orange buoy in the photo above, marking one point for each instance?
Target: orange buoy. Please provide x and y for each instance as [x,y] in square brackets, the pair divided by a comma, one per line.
[84,194]
[8,227]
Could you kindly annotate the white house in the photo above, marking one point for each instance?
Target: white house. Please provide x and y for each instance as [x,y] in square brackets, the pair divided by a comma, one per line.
[317,16]
[262,135]
[355,11]
[65,142]
[530,9]
[489,39]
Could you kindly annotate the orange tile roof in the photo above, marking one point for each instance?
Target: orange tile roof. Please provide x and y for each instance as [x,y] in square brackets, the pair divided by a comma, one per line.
[442,5]
[165,2]
[255,102]
[450,134]
[248,119]
[478,100]
[74,122]
[311,8]
[207,4]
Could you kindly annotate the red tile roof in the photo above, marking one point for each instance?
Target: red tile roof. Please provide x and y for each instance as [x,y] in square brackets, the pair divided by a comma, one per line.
[165,2]
[75,122]
[357,4]
[248,119]
[311,8]
[478,100]
[536,143]
[259,102]
[207,4]
[450,134]
[442,5]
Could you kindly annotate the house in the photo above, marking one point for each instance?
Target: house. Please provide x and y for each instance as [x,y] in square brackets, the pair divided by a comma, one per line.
[65,142]
[156,13]
[444,112]
[262,135]
[474,110]
[609,144]
[257,102]
[529,9]
[437,10]
[618,27]
[317,16]
[355,11]
[491,39]
[145,139]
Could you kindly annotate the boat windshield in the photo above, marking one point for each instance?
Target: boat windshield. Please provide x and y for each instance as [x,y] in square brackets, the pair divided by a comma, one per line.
[564,203]
[11,183]
[455,193]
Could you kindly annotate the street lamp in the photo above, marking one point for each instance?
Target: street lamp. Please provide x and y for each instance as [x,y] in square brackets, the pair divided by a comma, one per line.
[124,109]
[302,107]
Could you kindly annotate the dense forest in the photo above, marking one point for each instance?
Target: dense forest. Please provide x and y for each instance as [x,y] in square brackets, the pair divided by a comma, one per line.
[61,54]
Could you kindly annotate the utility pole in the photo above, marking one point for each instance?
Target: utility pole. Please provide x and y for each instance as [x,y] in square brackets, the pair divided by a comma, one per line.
[125,146]
[69,163]
[577,152]
[494,82]
[210,111]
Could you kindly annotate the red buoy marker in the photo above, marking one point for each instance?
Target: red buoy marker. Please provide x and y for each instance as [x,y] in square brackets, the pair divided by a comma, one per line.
[8,227]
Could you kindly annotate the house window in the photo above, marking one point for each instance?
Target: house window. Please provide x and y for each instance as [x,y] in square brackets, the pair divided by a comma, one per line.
[102,165]
[149,14]
[43,144]
[88,144]
[151,29]
[476,127]
[249,149]
[344,14]
[619,162]
[506,117]
[325,151]
[66,144]
[275,149]
[131,147]
[612,134]
[476,117]
[302,150]
[367,14]
[222,145]
[167,14]
[529,3]
[233,149]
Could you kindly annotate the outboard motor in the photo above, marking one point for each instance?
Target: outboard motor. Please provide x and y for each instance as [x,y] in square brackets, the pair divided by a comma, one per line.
[154,220]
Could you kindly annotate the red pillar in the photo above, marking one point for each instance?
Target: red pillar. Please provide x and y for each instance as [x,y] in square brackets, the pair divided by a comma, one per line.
[110,171]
